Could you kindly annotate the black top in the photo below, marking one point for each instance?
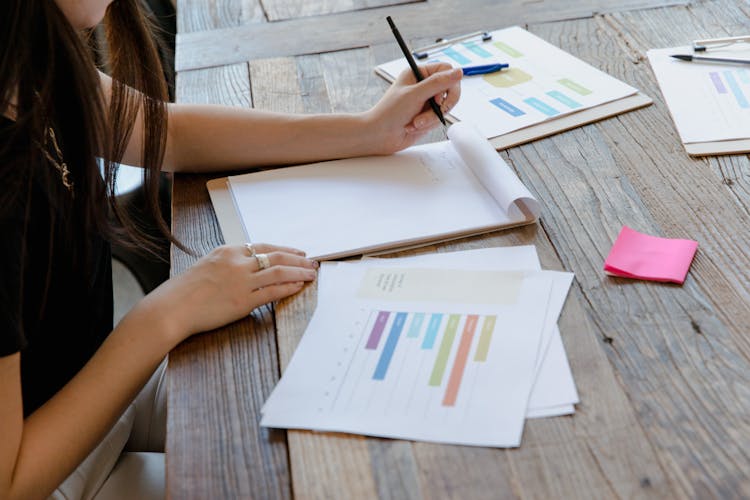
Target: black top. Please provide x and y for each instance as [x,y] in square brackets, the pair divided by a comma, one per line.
[54,312]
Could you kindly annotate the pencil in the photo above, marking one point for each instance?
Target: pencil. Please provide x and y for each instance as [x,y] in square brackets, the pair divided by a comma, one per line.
[414,67]
[687,57]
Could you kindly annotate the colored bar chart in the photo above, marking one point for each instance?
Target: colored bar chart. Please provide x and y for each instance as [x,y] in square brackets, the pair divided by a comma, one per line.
[456,56]
[739,95]
[448,343]
[478,50]
[732,83]
[377,330]
[432,331]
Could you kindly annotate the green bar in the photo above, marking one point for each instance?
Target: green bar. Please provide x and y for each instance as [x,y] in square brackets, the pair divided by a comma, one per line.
[445,349]
[508,49]
[578,89]
[483,347]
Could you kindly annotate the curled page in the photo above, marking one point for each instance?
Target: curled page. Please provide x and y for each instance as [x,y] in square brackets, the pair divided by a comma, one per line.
[494,174]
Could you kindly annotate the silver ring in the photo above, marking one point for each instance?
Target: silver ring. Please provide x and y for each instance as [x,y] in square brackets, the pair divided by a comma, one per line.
[263,262]
[250,248]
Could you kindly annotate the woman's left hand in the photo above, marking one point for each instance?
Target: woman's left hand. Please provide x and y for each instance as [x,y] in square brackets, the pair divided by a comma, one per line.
[403,114]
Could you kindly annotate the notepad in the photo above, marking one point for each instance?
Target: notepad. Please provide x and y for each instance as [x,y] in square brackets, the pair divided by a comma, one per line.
[424,194]
[545,90]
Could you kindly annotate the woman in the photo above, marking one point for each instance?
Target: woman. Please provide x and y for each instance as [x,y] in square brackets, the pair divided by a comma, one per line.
[68,379]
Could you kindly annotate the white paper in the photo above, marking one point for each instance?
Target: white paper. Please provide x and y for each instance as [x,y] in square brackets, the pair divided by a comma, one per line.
[708,102]
[554,392]
[353,206]
[542,83]
[331,382]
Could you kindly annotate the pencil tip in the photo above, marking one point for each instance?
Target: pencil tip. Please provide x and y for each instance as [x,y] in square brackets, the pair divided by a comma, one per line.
[682,57]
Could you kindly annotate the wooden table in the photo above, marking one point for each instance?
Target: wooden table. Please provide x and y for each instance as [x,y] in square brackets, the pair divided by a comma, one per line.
[663,371]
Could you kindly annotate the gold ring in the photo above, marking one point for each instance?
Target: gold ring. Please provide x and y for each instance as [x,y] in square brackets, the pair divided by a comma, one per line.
[263,262]
[250,248]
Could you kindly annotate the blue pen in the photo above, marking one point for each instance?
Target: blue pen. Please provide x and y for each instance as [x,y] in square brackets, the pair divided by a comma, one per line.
[484,69]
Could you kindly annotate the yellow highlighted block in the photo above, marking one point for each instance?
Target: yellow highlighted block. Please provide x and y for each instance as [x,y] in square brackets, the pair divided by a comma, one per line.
[507,78]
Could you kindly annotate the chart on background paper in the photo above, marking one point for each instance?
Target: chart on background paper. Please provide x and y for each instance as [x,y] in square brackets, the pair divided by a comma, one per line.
[708,102]
[542,82]
[439,355]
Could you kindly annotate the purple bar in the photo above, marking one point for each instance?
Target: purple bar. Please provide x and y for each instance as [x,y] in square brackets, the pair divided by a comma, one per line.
[718,83]
[377,330]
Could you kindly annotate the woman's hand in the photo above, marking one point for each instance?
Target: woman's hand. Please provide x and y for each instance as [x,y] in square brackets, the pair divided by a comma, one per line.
[403,114]
[226,285]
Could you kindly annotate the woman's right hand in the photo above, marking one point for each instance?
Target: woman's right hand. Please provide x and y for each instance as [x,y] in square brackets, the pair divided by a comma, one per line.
[226,285]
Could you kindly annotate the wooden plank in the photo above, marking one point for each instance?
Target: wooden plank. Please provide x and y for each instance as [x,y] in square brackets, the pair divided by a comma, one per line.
[279,10]
[201,15]
[680,364]
[318,34]
[218,381]
[323,466]
[715,186]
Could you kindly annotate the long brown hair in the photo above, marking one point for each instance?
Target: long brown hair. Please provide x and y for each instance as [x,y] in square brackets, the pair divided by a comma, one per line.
[48,79]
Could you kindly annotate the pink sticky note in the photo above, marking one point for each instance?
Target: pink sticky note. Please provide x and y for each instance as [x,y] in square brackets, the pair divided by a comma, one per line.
[637,255]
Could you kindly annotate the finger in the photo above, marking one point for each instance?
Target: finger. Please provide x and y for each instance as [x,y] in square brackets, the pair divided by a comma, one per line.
[437,84]
[283,258]
[277,275]
[435,67]
[448,100]
[268,248]
[275,292]
[425,120]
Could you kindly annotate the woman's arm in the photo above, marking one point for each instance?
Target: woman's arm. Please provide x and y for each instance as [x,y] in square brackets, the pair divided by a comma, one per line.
[37,454]
[212,138]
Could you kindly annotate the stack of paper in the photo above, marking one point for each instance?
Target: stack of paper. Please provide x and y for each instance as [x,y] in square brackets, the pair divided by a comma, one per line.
[454,348]
[709,102]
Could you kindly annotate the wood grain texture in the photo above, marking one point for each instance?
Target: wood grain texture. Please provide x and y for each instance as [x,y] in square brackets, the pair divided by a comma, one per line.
[218,381]
[329,33]
[279,10]
[662,370]
[204,15]
[560,457]
[679,362]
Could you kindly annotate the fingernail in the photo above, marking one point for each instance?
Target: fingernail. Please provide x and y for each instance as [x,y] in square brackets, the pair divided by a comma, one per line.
[315,264]
[457,73]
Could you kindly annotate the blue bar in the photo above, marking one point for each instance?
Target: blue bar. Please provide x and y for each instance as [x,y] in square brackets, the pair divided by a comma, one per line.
[744,75]
[736,90]
[432,329]
[541,106]
[507,107]
[390,346]
[477,50]
[459,58]
[416,325]
[559,96]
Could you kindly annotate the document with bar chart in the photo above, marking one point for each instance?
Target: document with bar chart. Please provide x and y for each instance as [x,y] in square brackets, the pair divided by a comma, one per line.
[542,82]
[708,102]
[436,354]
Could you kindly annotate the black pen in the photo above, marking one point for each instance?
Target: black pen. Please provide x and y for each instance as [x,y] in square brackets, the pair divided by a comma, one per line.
[414,67]
[687,57]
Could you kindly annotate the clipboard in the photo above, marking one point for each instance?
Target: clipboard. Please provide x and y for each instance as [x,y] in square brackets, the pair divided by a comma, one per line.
[539,130]
[697,94]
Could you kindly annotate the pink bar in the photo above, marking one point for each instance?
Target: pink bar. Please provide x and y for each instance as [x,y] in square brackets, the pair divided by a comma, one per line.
[459,364]
[377,330]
